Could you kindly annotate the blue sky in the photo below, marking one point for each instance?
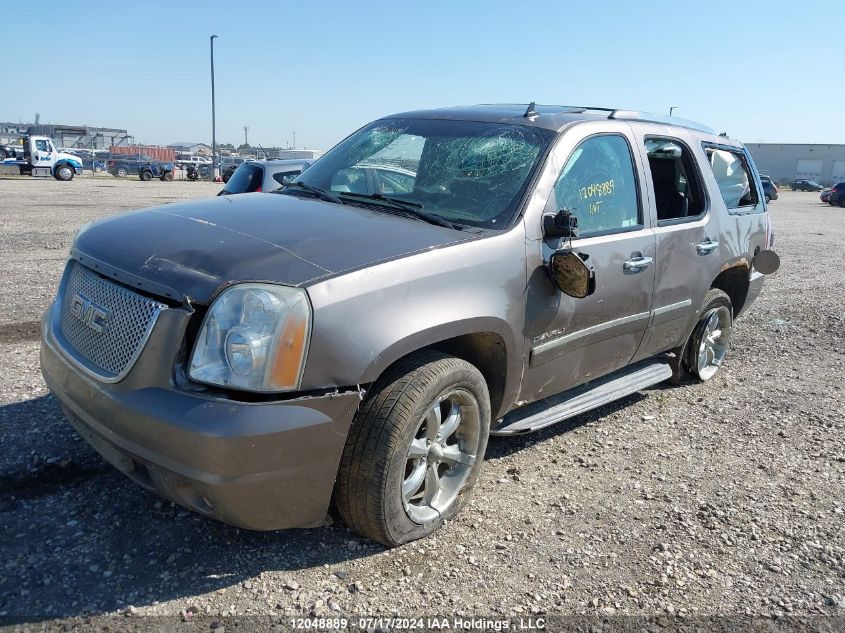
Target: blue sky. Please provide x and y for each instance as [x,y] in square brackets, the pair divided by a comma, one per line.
[758,70]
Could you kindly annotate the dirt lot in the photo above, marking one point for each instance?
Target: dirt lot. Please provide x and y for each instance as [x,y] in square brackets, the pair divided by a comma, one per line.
[724,498]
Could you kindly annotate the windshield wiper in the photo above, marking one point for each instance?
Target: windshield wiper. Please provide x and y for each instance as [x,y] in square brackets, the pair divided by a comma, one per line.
[322,195]
[411,208]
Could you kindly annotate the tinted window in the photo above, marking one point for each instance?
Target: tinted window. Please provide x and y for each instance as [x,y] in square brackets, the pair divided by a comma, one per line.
[246,179]
[467,172]
[678,192]
[284,177]
[733,177]
[598,186]
[41,146]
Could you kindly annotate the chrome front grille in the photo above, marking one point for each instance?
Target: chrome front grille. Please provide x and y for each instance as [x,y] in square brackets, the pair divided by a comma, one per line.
[104,324]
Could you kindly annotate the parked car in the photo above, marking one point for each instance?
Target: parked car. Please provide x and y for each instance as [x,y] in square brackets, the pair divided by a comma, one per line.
[7,151]
[770,190]
[824,196]
[94,165]
[263,175]
[192,159]
[837,195]
[256,357]
[805,185]
[123,165]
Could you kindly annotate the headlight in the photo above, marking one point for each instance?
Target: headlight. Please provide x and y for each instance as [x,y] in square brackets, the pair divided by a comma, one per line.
[254,337]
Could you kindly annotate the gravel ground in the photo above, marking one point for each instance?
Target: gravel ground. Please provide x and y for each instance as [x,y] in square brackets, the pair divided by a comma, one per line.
[717,499]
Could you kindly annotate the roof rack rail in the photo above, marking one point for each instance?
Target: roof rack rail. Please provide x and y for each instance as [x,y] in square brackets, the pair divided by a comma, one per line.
[650,117]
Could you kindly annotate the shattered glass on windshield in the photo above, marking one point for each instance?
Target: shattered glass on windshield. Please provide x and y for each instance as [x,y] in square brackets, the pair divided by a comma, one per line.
[467,172]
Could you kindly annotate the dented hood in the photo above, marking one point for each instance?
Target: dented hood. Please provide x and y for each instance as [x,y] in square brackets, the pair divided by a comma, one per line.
[190,250]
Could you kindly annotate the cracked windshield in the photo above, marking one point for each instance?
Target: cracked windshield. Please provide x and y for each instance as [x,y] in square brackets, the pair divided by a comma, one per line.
[466,172]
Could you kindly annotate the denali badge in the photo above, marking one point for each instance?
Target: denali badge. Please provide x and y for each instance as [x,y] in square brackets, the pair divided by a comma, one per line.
[94,316]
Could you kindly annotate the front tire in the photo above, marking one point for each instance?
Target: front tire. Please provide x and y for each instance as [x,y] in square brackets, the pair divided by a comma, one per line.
[415,449]
[708,344]
[121,172]
[64,173]
[146,176]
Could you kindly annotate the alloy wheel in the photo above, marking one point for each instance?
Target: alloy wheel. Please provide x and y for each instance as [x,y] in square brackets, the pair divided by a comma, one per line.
[713,345]
[441,456]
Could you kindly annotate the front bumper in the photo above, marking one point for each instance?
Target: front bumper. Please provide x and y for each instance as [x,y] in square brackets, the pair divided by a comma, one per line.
[256,465]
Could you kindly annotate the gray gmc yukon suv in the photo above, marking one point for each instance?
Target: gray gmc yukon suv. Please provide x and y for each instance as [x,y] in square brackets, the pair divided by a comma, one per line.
[437,277]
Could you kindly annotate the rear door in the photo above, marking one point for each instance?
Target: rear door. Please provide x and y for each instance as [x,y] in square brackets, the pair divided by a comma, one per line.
[571,340]
[687,232]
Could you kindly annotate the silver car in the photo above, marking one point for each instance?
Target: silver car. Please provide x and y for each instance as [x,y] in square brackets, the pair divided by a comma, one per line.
[438,277]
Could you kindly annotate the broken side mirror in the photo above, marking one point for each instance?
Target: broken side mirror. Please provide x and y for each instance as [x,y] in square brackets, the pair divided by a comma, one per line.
[571,274]
[766,262]
[560,224]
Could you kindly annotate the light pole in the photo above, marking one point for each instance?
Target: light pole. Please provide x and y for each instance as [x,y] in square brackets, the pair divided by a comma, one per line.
[214,169]
[670,109]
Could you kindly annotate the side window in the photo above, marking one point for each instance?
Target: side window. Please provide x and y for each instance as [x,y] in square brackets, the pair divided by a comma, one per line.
[733,176]
[394,181]
[284,177]
[599,187]
[41,146]
[678,192]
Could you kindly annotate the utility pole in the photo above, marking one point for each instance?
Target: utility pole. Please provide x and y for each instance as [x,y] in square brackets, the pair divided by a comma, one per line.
[294,140]
[246,135]
[214,168]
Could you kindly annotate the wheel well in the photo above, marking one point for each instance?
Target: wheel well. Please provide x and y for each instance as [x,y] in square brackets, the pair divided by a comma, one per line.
[734,282]
[487,352]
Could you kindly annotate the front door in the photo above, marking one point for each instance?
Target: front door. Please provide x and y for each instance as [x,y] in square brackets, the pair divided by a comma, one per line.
[42,153]
[573,341]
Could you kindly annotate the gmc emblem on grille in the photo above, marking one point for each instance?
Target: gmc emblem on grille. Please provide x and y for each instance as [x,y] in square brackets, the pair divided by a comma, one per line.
[94,316]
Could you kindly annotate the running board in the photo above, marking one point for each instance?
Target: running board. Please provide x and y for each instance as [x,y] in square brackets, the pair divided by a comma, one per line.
[568,404]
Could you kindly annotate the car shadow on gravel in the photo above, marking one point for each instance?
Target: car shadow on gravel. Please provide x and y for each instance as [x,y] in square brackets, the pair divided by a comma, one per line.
[80,538]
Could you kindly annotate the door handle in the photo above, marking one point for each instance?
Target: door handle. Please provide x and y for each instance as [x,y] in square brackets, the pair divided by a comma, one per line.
[706,247]
[637,262]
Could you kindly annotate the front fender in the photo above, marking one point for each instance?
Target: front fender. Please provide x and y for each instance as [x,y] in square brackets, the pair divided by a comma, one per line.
[76,166]
[366,320]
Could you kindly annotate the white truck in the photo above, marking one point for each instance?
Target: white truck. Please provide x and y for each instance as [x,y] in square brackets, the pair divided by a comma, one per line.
[42,159]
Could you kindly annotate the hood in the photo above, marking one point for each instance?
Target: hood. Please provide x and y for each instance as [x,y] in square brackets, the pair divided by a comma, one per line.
[71,158]
[188,251]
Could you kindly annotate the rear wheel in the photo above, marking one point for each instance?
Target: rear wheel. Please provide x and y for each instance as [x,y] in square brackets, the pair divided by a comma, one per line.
[64,172]
[415,449]
[768,198]
[167,177]
[708,344]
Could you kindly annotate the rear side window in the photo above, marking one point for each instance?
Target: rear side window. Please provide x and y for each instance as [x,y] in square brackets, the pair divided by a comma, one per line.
[246,179]
[598,186]
[678,192]
[733,175]
[284,177]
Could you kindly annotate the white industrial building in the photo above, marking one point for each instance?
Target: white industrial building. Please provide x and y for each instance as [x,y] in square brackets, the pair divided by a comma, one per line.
[784,162]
